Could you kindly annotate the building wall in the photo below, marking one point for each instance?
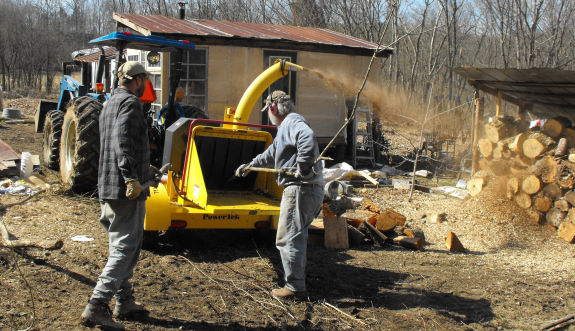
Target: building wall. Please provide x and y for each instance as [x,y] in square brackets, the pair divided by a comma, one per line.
[322,101]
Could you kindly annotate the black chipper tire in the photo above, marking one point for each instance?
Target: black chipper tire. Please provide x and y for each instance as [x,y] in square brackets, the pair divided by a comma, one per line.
[51,140]
[80,145]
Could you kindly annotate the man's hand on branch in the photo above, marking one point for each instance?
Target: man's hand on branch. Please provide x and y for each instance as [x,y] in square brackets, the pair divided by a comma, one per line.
[304,171]
[156,175]
[241,171]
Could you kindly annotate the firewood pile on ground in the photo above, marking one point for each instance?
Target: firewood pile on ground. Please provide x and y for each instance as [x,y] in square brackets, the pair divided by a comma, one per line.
[540,165]
[369,223]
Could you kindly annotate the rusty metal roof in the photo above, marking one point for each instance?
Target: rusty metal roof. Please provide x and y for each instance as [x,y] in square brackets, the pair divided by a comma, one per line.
[208,32]
[550,92]
[92,54]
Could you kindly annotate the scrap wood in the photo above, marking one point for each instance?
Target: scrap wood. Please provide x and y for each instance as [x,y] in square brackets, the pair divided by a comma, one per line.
[326,211]
[558,323]
[317,225]
[369,205]
[335,236]
[408,242]
[389,219]
[356,237]
[453,243]
[368,177]
[45,244]
[370,231]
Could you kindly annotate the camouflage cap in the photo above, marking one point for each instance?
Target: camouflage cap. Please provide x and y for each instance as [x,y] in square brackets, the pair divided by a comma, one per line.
[277,96]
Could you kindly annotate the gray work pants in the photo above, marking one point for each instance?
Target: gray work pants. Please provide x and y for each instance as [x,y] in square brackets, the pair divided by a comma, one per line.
[299,205]
[124,222]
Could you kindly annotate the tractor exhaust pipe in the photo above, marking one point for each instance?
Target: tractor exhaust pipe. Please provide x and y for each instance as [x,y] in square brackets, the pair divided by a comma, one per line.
[182,9]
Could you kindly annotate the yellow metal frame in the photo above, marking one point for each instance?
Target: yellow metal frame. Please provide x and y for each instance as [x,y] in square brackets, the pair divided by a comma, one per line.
[200,208]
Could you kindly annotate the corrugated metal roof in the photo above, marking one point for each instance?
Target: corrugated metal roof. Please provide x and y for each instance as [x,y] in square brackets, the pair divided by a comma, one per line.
[208,32]
[92,54]
[551,92]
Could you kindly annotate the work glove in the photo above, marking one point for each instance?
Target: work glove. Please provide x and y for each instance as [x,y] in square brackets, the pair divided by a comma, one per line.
[133,188]
[155,175]
[304,171]
[241,171]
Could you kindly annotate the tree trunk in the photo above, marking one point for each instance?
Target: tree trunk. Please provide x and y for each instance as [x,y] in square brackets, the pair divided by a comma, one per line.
[536,144]
[485,147]
[555,217]
[531,184]
[523,200]
[543,204]
[475,186]
[516,145]
[561,149]
[512,187]
[499,128]
[546,169]
[555,126]
[562,205]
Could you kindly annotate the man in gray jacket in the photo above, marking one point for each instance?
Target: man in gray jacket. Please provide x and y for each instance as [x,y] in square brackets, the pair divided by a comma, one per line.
[294,149]
[124,164]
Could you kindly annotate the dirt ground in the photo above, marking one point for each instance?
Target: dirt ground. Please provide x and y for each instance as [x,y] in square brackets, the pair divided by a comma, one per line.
[514,275]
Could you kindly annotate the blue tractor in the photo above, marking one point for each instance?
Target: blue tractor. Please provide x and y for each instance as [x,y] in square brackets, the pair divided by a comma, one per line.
[71,139]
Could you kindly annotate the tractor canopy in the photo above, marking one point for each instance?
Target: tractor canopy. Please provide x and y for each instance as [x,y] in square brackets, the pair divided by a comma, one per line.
[146,43]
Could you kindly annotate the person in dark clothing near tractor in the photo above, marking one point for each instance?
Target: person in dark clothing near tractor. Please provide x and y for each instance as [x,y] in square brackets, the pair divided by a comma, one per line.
[124,164]
[294,148]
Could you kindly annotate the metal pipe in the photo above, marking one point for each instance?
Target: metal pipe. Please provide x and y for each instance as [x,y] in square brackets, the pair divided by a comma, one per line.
[182,10]
[259,85]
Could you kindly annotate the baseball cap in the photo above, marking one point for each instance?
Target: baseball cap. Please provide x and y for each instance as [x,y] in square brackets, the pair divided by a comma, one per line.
[276,96]
[131,69]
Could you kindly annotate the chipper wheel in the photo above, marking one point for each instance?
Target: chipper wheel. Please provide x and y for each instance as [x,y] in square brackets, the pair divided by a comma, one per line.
[80,145]
[51,140]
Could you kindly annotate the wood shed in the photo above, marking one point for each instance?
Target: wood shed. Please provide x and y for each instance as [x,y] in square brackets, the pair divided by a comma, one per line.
[538,94]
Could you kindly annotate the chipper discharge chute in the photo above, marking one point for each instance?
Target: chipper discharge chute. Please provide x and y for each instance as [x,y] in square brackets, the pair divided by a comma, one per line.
[201,191]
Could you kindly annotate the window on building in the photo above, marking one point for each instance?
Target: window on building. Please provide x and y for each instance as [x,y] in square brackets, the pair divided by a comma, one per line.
[156,80]
[133,57]
[194,78]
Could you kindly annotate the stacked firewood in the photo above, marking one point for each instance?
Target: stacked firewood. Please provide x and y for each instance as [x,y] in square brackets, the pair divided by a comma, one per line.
[540,162]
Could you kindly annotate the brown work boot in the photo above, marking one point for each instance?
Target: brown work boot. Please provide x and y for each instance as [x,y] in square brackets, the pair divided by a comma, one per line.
[98,314]
[285,293]
[127,307]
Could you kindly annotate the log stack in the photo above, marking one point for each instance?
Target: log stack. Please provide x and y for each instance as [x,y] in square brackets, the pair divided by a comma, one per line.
[379,226]
[540,164]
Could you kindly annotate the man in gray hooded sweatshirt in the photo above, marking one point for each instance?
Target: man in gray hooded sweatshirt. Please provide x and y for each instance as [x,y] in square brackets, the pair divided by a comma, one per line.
[294,147]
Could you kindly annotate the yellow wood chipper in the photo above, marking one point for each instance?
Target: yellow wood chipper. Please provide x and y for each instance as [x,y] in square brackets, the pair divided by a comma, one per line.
[201,191]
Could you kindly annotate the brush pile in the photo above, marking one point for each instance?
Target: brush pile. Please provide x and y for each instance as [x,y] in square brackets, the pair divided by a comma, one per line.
[540,164]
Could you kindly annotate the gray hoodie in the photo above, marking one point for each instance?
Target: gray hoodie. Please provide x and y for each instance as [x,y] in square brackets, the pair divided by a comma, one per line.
[294,143]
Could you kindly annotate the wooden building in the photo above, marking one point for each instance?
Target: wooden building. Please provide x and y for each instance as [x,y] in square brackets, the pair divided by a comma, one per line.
[230,55]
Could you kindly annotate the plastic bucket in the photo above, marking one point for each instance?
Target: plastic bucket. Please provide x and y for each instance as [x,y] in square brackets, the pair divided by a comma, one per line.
[11,113]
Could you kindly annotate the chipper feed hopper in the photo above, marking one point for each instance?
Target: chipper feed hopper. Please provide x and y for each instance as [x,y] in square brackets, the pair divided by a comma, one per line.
[201,191]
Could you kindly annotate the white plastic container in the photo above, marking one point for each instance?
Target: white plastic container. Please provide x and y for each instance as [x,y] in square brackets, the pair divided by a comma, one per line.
[26,165]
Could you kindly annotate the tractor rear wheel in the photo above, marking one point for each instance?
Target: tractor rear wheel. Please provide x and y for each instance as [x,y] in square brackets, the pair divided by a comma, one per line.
[194,112]
[51,139]
[80,145]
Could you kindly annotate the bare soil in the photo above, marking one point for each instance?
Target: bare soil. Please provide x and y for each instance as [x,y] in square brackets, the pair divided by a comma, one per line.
[514,275]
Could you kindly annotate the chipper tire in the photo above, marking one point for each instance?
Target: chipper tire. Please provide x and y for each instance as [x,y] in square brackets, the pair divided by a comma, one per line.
[80,145]
[51,139]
